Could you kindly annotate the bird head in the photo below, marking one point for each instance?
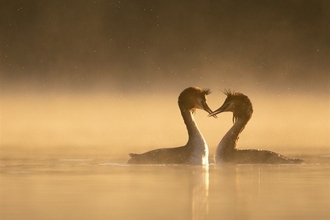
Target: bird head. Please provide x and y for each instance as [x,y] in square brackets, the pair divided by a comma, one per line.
[194,98]
[237,103]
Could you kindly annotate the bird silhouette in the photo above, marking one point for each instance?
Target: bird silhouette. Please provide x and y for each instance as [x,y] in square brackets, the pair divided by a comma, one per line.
[196,150]
[226,152]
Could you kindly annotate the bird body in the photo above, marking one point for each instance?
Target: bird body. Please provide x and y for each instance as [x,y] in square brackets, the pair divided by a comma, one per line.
[227,152]
[196,149]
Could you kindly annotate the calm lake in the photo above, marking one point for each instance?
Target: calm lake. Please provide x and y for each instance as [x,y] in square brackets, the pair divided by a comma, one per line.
[64,157]
[93,187]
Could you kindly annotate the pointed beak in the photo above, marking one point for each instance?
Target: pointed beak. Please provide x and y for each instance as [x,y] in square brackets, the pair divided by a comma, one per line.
[207,108]
[223,108]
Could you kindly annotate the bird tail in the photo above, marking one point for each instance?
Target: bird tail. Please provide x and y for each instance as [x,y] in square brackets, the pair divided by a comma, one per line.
[133,155]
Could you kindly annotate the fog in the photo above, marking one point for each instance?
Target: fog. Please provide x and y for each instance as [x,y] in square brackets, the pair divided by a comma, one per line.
[77,45]
[116,125]
[107,74]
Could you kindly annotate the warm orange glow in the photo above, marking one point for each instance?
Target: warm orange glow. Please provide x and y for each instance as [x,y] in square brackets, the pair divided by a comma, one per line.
[137,123]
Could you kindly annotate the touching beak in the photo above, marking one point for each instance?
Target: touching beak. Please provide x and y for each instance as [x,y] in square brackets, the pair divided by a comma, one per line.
[207,108]
[223,108]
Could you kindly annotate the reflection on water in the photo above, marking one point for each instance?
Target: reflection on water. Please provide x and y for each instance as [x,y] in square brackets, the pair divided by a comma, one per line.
[89,188]
[200,192]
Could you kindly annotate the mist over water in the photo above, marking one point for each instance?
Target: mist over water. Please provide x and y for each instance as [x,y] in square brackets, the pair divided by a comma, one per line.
[118,124]
[100,73]
[84,83]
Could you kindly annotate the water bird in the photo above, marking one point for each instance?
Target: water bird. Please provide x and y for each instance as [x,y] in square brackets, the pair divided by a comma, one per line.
[226,152]
[196,150]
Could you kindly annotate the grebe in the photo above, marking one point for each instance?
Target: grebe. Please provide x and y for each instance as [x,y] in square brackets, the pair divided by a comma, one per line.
[196,149]
[226,151]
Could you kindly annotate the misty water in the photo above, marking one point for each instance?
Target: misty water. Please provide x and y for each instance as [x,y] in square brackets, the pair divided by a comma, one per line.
[84,83]
[64,157]
[66,186]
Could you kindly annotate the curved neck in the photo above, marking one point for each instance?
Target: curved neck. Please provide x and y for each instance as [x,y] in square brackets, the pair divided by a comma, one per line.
[198,149]
[228,142]
[193,131]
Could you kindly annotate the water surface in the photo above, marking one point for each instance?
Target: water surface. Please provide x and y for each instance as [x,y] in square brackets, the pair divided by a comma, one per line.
[91,187]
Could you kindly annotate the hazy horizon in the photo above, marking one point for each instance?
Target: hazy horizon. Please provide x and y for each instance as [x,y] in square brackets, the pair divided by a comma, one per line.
[100,73]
